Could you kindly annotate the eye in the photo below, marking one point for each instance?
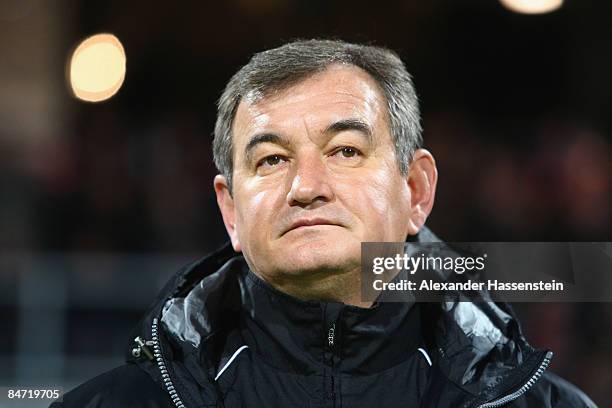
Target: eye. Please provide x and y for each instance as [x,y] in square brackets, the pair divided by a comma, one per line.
[348,151]
[271,161]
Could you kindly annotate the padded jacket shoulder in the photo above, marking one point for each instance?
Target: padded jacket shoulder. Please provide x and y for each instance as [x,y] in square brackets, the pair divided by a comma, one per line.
[129,386]
[554,391]
[124,386]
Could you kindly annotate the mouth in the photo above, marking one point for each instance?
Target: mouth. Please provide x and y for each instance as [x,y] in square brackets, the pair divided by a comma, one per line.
[310,222]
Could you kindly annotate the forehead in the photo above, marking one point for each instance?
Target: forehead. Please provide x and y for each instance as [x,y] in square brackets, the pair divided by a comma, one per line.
[337,93]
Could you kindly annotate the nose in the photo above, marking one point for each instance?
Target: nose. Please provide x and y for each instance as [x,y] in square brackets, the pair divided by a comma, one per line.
[310,182]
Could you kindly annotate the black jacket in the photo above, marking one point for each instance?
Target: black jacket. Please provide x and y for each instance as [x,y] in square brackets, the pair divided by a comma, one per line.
[219,336]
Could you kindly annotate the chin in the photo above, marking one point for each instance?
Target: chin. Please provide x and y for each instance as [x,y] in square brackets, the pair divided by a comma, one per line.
[322,254]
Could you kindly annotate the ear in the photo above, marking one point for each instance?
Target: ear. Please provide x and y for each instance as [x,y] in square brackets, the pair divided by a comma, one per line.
[422,179]
[226,205]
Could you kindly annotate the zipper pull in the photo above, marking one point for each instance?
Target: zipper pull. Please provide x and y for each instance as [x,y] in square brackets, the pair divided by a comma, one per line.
[142,347]
[330,335]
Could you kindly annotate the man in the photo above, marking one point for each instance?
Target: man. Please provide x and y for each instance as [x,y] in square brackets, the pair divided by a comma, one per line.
[319,148]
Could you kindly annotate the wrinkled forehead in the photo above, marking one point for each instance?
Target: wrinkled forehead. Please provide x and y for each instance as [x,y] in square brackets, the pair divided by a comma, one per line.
[339,92]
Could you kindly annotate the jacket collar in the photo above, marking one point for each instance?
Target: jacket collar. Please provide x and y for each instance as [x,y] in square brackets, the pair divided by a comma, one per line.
[294,334]
[198,303]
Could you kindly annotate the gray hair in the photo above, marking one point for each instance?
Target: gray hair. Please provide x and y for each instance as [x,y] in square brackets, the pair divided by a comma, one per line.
[279,68]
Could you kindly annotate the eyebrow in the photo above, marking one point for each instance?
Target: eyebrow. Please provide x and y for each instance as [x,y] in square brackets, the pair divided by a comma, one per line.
[264,138]
[336,127]
[352,124]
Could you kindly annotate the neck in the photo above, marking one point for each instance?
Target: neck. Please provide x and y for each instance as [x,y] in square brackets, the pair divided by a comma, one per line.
[342,287]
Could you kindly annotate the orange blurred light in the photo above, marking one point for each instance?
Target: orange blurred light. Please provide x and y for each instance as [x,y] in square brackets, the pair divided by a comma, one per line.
[97,68]
[532,6]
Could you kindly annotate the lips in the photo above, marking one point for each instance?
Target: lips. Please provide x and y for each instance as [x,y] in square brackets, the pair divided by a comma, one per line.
[307,222]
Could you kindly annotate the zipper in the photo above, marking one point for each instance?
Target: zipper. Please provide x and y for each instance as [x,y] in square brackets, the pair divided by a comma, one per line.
[142,347]
[532,380]
[330,336]
[162,367]
[330,341]
[331,316]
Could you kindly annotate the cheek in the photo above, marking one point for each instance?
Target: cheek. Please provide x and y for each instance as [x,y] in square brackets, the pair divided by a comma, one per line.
[380,201]
[255,212]
[249,209]
[364,196]
[378,194]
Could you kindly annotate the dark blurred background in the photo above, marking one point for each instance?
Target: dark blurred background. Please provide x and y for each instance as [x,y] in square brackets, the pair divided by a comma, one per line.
[101,202]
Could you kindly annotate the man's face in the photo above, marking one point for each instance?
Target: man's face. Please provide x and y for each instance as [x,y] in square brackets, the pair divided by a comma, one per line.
[315,174]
